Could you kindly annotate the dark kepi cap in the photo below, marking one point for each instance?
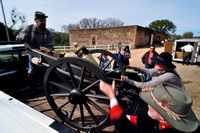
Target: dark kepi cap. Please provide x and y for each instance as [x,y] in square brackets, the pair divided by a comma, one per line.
[164,58]
[39,14]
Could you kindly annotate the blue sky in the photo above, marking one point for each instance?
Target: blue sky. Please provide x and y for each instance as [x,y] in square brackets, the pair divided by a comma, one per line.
[185,14]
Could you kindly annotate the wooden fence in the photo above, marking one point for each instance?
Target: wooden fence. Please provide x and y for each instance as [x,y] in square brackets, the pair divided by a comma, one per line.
[92,47]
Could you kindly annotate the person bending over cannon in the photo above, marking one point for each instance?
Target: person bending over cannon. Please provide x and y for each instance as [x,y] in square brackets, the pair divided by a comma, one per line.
[164,69]
[36,35]
[169,111]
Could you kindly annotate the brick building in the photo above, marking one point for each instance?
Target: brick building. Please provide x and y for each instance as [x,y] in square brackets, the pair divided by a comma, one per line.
[135,35]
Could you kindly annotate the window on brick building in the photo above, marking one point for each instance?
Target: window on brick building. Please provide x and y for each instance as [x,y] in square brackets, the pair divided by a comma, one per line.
[93,40]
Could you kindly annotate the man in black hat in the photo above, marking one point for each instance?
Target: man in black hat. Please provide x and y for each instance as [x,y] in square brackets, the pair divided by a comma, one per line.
[169,105]
[36,35]
[164,69]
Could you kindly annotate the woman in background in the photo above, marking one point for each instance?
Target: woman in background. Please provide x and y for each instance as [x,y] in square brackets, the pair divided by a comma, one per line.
[120,56]
[127,55]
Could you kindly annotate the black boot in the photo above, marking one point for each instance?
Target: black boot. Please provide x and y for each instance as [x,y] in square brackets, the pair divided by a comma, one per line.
[187,63]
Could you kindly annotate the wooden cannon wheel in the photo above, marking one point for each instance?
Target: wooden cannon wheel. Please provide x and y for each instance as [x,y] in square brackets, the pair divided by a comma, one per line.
[71,84]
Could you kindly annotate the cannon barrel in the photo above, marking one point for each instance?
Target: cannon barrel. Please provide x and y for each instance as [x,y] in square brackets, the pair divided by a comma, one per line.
[82,52]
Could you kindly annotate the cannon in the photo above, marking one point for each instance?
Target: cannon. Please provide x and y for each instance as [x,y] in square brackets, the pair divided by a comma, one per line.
[72,86]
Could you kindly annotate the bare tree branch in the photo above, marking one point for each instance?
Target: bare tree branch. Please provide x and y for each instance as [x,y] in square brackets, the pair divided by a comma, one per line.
[95,23]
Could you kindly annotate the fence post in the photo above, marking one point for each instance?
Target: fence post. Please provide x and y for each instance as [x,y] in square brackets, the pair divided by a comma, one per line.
[112,46]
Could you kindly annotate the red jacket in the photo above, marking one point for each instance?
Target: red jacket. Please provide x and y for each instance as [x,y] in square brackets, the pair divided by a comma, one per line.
[137,124]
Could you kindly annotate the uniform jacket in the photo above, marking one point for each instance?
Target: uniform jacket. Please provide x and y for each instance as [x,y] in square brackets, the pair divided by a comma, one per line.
[38,39]
[169,76]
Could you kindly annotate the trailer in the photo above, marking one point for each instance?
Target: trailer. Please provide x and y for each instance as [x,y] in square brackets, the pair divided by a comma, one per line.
[177,52]
[71,86]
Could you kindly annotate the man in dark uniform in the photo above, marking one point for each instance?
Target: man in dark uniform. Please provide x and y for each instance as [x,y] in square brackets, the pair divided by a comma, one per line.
[36,35]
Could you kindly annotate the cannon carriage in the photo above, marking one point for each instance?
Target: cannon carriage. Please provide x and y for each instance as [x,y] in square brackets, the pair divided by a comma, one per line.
[72,86]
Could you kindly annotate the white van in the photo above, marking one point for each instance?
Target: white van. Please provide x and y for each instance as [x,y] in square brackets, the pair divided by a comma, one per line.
[177,53]
[12,58]
[13,67]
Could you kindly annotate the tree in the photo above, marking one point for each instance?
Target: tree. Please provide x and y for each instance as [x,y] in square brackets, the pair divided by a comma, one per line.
[17,17]
[59,38]
[73,27]
[112,22]
[173,37]
[3,36]
[164,26]
[51,29]
[85,23]
[95,23]
[64,28]
[187,35]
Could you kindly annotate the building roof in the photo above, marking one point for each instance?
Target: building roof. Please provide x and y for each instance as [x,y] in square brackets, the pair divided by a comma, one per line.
[109,27]
[188,40]
[128,26]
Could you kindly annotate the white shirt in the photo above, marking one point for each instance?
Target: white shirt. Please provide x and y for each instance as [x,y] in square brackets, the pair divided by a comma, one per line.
[188,48]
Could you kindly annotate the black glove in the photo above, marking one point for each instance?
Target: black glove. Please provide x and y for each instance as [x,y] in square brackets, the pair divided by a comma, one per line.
[27,38]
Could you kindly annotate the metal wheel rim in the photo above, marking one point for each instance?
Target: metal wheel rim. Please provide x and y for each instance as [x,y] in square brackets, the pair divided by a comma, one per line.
[121,70]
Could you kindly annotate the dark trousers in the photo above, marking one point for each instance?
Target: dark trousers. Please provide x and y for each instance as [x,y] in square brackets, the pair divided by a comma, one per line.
[147,77]
[186,57]
[33,73]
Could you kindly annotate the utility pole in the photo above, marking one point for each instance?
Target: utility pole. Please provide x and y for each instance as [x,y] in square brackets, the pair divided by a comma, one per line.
[198,35]
[5,21]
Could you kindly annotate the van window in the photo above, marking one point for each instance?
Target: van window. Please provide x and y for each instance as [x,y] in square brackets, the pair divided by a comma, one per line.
[6,56]
[10,59]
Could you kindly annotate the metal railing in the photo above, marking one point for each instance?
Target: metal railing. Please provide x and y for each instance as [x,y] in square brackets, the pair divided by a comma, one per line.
[92,47]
